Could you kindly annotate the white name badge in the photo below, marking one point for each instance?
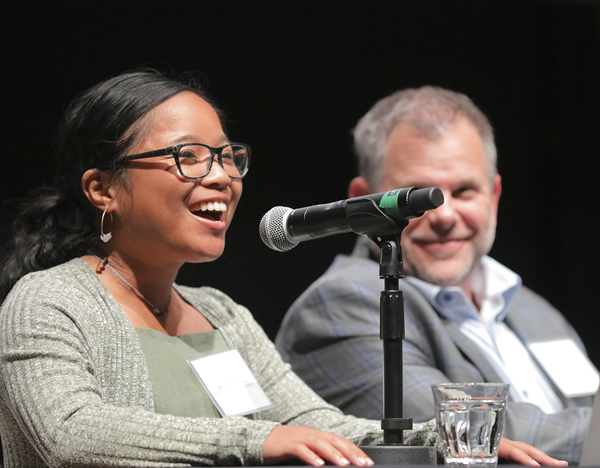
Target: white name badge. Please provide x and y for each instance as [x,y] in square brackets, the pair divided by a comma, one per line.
[568,367]
[229,383]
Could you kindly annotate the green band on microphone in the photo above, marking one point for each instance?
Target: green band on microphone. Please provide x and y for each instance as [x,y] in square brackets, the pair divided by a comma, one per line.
[389,204]
[389,200]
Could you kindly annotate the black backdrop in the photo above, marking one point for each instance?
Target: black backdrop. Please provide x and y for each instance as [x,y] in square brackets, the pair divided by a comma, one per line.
[294,77]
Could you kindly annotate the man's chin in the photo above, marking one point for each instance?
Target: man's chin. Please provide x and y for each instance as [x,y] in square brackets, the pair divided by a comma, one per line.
[452,270]
[441,274]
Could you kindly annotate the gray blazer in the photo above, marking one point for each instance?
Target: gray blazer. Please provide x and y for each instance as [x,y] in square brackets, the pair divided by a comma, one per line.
[330,335]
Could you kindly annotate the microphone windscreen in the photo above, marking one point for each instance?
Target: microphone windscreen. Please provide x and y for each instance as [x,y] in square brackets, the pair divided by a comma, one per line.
[272,229]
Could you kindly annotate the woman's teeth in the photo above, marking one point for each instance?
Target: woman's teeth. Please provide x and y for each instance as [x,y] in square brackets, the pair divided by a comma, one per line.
[213,206]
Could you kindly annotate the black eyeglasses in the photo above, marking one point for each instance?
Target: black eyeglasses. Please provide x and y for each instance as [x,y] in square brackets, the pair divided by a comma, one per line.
[194,160]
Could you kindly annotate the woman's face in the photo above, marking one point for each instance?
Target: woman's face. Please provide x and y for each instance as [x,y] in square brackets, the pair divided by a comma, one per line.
[158,218]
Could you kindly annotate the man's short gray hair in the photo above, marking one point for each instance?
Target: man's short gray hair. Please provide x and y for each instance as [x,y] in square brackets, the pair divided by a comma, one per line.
[431,111]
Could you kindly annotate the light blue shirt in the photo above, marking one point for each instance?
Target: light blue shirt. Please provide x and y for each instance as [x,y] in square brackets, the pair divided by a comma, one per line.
[493,287]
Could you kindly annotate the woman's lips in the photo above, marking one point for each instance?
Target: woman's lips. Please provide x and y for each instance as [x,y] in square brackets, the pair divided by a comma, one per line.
[211,212]
[209,206]
[213,206]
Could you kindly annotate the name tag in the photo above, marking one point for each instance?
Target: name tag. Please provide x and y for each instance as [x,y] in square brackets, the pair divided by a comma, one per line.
[229,383]
[567,366]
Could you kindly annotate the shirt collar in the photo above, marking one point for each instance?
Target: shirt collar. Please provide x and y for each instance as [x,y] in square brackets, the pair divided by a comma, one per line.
[494,286]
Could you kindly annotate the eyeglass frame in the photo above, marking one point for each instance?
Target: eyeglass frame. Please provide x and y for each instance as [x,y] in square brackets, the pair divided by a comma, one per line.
[174,152]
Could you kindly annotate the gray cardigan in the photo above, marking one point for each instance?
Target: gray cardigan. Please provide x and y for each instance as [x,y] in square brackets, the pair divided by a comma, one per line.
[75,390]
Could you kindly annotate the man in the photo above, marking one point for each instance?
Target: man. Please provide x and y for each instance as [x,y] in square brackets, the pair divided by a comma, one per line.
[467,317]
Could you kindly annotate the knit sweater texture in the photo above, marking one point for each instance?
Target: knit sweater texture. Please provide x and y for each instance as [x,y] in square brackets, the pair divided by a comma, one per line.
[75,389]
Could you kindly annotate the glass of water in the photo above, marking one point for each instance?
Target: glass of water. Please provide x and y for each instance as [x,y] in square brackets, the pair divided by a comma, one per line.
[470,419]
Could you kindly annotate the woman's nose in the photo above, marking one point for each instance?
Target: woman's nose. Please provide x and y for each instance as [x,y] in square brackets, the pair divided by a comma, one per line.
[217,174]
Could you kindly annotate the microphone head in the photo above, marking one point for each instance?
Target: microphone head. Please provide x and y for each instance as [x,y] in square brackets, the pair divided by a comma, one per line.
[422,200]
[272,229]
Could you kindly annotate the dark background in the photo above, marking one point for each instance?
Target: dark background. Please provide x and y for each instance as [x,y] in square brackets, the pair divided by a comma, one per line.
[294,77]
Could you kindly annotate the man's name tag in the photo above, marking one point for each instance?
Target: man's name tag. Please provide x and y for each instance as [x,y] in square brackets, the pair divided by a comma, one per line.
[568,367]
[229,383]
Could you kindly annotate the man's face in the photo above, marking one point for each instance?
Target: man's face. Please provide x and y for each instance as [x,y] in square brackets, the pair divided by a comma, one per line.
[444,245]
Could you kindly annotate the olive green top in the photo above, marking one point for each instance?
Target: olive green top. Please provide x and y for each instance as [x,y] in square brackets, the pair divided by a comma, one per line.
[175,386]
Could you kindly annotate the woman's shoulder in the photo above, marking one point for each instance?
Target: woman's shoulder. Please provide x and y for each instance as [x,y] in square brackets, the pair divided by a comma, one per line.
[67,296]
[203,292]
[214,304]
[73,271]
[73,278]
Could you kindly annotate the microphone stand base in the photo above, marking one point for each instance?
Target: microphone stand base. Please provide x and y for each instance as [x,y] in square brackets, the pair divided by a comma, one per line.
[401,455]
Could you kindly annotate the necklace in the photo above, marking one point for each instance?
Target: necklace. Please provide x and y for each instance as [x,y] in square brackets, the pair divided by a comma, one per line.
[155,310]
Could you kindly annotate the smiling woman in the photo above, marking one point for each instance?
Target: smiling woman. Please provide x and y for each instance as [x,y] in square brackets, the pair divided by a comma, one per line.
[94,332]
[95,335]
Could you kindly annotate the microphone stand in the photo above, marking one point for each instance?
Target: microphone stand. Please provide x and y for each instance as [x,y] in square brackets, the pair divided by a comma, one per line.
[382,218]
[393,451]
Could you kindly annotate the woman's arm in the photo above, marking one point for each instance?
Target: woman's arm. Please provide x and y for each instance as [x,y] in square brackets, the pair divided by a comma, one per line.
[75,393]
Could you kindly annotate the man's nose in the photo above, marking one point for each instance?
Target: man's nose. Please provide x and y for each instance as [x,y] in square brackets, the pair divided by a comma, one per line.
[444,216]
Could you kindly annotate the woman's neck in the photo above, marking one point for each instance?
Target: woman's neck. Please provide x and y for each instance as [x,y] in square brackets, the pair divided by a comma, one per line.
[142,289]
[151,284]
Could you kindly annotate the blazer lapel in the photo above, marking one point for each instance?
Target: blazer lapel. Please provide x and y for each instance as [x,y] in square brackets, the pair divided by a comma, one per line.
[471,352]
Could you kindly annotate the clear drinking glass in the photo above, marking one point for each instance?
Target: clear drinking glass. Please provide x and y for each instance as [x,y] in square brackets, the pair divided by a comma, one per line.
[470,419]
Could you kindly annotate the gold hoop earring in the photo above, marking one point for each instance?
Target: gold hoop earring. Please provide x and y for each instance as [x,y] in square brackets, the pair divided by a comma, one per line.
[105,237]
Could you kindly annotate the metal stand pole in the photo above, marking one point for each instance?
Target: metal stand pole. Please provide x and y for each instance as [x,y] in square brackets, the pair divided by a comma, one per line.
[393,451]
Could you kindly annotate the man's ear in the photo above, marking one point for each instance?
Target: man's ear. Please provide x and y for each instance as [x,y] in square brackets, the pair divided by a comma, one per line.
[98,188]
[497,191]
[359,187]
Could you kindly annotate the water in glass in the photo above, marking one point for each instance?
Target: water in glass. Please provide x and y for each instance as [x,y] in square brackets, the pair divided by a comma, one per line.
[471,430]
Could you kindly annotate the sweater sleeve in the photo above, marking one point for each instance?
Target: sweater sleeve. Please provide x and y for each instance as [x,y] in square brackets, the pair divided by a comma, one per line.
[57,409]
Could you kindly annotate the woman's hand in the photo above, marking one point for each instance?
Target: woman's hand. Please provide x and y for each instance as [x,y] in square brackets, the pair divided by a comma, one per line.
[312,446]
[525,454]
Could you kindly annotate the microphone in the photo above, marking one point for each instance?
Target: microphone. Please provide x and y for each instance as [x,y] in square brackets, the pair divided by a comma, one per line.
[376,215]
